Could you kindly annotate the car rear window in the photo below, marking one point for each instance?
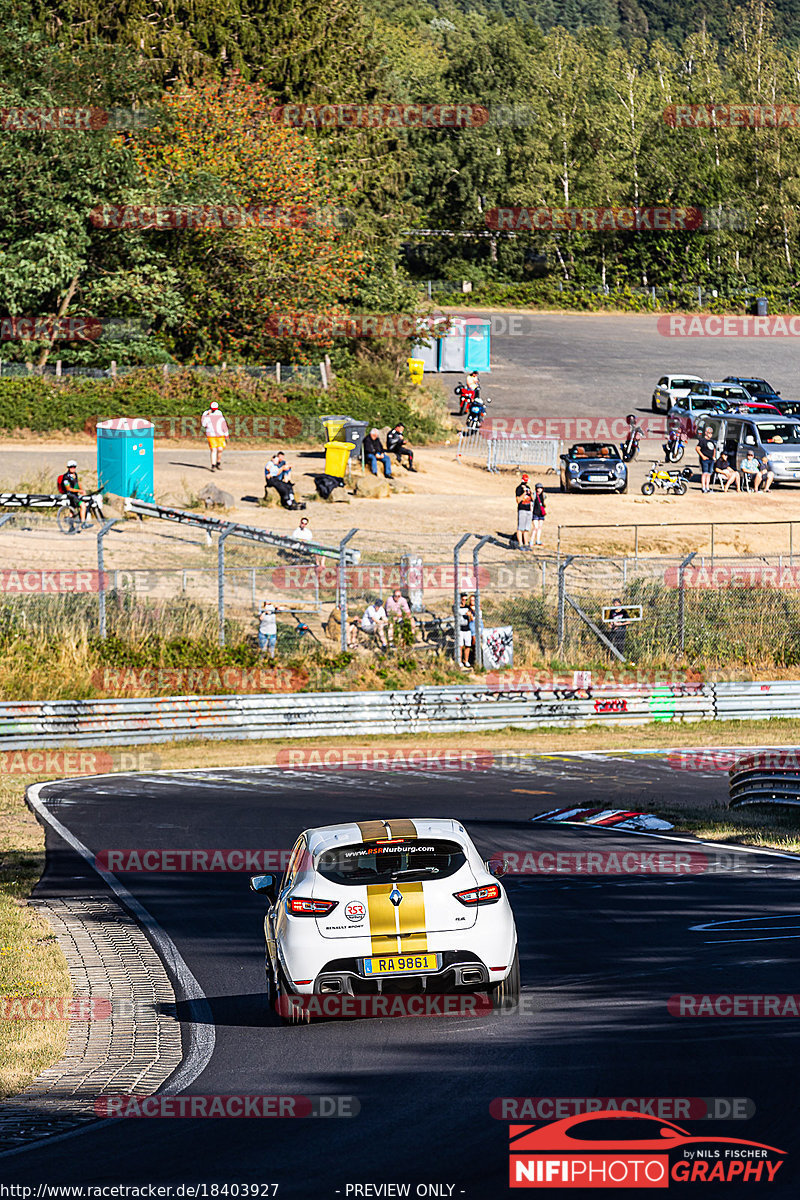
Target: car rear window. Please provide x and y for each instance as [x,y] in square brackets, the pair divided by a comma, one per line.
[384,862]
[776,432]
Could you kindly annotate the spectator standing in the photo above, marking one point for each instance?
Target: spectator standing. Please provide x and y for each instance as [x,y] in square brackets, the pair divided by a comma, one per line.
[539,513]
[376,621]
[302,533]
[268,628]
[374,450]
[617,621]
[524,513]
[707,453]
[464,634]
[216,430]
[397,610]
[396,444]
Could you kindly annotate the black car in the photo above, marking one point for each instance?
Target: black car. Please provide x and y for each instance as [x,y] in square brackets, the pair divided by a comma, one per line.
[593,467]
[759,389]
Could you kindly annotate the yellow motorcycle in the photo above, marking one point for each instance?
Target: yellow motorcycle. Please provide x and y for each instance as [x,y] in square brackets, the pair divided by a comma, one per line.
[668,481]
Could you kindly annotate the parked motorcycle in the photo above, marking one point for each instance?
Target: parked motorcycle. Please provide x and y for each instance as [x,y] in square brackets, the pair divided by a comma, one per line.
[476,413]
[466,393]
[667,481]
[630,447]
[675,445]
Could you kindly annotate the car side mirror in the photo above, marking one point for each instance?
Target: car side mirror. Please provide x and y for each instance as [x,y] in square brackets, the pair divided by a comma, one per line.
[497,867]
[266,884]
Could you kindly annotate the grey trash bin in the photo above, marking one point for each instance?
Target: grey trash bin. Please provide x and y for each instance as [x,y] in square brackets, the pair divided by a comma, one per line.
[762,307]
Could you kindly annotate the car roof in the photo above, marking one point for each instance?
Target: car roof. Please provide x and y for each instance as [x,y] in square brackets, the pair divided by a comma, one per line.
[372,831]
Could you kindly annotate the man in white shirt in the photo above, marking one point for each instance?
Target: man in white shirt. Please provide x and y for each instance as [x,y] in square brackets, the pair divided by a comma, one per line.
[216,430]
[375,621]
[303,533]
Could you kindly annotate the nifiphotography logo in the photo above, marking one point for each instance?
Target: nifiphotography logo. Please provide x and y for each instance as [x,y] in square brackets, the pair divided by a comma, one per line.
[614,1149]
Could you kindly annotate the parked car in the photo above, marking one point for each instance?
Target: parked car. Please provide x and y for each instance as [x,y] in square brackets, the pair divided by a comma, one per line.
[759,389]
[787,408]
[689,411]
[670,389]
[722,390]
[755,408]
[593,467]
[776,438]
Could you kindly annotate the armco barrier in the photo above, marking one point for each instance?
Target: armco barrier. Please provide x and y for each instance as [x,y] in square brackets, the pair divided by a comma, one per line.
[766,777]
[33,724]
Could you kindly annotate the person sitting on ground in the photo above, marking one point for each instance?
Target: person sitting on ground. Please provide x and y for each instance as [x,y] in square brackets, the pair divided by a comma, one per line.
[69,486]
[373,450]
[278,474]
[396,444]
[726,472]
[376,621]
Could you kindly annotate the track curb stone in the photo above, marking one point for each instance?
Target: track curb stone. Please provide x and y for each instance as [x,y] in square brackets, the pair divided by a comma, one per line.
[134,1051]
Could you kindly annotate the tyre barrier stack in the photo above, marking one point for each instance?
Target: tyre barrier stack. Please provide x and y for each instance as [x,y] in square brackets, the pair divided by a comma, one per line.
[766,777]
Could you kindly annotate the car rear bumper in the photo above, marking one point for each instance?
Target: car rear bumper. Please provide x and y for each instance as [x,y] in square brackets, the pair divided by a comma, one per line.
[459,970]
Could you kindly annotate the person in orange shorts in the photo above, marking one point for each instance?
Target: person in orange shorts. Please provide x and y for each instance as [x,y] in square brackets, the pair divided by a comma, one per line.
[216,430]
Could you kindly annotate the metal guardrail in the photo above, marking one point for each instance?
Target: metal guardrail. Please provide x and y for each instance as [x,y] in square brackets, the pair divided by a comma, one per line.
[472,443]
[33,724]
[766,777]
[522,452]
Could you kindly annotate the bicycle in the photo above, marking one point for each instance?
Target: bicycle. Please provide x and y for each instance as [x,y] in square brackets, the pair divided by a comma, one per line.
[68,518]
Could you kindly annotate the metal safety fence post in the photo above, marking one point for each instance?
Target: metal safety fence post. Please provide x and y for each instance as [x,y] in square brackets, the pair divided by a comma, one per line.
[561,601]
[101,576]
[682,597]
[343,564]
[221,581]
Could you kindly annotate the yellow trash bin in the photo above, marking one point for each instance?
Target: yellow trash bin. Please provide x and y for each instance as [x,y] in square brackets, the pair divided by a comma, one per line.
[333,427]
[337,458]
[416,369]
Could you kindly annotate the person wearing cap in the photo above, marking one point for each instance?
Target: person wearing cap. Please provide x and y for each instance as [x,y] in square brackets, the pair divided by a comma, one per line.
[376,621]
[216,430]
[69,486]
[524,513]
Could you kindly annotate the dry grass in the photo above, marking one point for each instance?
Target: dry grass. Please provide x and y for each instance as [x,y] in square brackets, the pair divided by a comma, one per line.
[31,962]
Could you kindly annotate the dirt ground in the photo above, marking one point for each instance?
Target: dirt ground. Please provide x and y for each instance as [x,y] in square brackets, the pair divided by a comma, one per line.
[427,512]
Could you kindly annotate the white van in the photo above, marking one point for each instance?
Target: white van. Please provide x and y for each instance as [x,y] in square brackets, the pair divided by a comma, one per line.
[775,438]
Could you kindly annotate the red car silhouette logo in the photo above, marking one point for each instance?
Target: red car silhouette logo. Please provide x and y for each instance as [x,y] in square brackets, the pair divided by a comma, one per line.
[616,1131]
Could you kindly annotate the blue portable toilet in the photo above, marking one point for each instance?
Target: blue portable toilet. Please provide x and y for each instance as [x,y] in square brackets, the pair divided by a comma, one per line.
[125,457]
[466,346]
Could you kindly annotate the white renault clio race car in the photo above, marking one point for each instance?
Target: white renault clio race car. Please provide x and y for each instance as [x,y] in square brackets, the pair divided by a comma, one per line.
[388,906]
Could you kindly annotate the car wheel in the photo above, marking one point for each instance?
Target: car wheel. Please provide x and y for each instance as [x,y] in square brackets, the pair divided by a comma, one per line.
[290,1011]
[561,487]
[654,404]
[648,488]
[505,995]
[680,487]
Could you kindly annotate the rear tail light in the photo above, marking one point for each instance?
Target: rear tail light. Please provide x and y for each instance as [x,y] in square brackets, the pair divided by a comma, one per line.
[482,895]
[300,906]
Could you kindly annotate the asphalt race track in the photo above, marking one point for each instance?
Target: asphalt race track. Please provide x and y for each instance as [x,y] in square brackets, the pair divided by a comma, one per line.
[600,957]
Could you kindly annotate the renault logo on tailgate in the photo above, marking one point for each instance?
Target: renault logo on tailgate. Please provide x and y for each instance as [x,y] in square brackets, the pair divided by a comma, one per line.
[395,896]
